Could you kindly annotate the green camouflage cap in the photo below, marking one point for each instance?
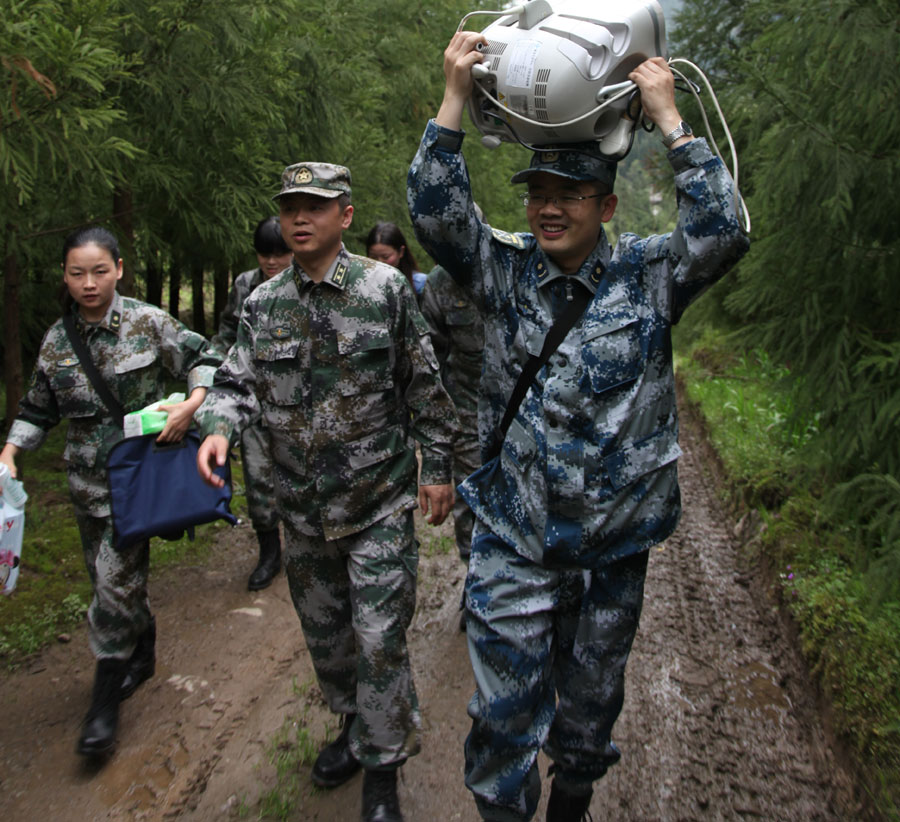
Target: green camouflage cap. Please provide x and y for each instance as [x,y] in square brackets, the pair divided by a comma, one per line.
[578,161]
[320,179]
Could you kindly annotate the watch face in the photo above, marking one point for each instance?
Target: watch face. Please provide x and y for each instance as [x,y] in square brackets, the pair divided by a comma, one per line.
[681,130]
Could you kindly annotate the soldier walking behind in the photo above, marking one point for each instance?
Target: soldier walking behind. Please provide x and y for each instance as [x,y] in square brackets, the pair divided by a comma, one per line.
[584,481]
[256,452]
[457,334]
[136,348]
[335,356]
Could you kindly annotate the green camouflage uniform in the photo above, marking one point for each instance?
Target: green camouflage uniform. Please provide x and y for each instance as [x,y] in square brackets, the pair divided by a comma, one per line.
[342,373]
[136,347]
[457,334]
[256,451]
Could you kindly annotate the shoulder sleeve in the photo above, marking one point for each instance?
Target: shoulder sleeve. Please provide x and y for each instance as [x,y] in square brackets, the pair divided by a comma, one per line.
[433,414]
[707,241]
[433,313]
[440,203]
[185,354]
[38,410]
[232,403]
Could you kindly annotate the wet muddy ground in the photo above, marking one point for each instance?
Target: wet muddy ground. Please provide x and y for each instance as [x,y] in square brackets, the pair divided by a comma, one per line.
[720,721]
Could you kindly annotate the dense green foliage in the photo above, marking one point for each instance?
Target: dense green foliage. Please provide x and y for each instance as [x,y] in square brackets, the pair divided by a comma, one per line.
[809,85]
[808,90]
[171,121]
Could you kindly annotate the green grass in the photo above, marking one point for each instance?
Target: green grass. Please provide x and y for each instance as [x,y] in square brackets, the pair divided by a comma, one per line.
[291,750]
[849,636]
[751,420]
[53,589]
[434,543]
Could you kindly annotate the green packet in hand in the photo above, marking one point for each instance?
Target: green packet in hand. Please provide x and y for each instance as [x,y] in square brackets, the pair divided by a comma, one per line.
[150,420]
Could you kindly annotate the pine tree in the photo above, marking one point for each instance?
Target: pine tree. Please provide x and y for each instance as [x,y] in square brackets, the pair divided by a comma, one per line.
[817,85]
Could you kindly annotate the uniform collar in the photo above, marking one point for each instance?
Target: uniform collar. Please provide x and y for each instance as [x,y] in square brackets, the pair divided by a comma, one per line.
[112,320]
[591,272]
[336,275]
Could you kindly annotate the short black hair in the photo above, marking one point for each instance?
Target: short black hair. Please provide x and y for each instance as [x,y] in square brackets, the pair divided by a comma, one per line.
[267,238]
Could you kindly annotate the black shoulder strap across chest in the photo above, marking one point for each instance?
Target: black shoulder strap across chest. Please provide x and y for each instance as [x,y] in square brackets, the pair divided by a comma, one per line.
[555,336]
[87,363]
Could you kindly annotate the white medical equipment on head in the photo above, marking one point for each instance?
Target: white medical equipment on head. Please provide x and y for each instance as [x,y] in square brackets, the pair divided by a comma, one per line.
[559,74]
[556,72]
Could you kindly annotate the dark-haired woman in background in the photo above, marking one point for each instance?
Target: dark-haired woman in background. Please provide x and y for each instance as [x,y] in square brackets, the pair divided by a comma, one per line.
[387,244]
[136,347]
[256,451]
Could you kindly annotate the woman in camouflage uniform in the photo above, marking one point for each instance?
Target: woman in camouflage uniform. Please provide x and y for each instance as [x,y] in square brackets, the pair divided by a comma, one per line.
[387,244]
[256,449]
[136,347]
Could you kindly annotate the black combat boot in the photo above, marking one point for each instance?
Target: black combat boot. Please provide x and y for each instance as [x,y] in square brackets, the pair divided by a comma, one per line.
[269,560]
[142,664]
[379,799]
[98,734]
[567,807]
[336,763]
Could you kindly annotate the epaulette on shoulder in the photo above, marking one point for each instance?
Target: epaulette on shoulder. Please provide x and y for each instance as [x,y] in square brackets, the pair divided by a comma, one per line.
[508,239]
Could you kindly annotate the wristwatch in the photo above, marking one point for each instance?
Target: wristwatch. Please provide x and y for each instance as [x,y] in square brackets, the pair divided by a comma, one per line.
[681,130]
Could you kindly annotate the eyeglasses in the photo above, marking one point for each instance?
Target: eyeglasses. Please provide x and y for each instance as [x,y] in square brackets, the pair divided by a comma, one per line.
[564,201]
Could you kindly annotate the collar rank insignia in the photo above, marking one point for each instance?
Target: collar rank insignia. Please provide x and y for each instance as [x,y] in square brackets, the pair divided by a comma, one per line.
[542,271]
[597,275]
[549,156]
[280,333]
[68,362]
[461,303]
[115,320]
[340,274]
[303,176]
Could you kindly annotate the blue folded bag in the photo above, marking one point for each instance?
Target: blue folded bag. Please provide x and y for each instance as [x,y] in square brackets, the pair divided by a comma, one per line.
[156,491]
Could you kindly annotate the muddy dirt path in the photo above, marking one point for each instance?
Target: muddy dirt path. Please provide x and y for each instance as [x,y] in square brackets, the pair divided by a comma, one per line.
[719,720]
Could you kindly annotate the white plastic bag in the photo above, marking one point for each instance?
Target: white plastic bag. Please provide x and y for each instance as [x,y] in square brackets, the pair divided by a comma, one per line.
[12,528]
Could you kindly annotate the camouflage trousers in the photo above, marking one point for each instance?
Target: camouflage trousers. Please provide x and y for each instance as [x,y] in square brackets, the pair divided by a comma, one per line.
[120,610]
[466,459]
[259,478]
[548,650]
[355,597]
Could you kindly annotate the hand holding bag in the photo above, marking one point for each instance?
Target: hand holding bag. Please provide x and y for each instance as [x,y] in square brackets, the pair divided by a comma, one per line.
[156,490]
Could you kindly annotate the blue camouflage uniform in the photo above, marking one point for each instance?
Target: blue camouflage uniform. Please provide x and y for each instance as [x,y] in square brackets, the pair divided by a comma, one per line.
[586,480]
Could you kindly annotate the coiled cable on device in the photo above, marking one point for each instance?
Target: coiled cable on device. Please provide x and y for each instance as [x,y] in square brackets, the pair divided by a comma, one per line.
[616,92]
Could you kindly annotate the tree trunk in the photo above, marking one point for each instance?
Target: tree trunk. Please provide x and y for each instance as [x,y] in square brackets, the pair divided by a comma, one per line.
[199,314]
[174,286]
[154,279]
[220,295]
[122,208]
[12,348]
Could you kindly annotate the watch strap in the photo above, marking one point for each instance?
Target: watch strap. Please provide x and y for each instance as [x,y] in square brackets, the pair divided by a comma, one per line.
[681,130]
